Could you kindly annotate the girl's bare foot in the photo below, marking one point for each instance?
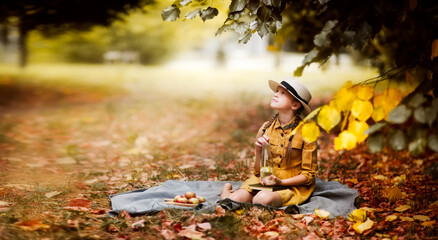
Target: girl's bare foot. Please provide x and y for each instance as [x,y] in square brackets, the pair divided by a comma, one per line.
[226,191]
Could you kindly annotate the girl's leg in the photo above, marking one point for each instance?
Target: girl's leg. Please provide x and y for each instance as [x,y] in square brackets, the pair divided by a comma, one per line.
[240,195]
[268,198]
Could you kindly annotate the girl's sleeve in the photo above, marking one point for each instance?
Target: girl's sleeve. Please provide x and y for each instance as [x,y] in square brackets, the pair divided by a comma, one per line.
[309,164]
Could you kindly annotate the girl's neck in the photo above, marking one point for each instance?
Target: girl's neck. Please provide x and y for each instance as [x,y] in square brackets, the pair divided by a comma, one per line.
[285,118]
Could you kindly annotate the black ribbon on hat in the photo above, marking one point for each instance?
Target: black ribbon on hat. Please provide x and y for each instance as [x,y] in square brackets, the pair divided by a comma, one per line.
[292,90]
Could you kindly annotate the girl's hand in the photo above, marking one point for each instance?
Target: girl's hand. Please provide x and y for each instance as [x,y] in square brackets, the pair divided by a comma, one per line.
[270,180]
[261,141]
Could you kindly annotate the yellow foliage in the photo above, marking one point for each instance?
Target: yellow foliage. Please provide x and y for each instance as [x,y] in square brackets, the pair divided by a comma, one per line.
[361,227]
[358,215]
[402,208]
[388,101]
[362,110]
[345,140]
[357,129]
[429,223]
[421,218]
[328,117]
[310,131]
[378,114]
[322,213]
[345,97]
[365,93]
[391,218]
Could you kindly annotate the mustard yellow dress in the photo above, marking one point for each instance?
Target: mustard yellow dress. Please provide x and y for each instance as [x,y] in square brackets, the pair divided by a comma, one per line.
[302,160]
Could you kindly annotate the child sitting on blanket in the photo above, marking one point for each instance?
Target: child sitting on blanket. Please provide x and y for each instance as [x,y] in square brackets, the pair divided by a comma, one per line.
[293,160]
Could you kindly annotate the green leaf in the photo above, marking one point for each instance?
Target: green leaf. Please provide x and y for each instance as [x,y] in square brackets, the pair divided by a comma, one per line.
[263,29]
[238,5]
[239,27]
[375,127]
[264,14]
[430,115]
[274,3]
[209,13]
[399,114]
[193,14]
[397,139]
[432,142]
[417,146]
[420,115]
[222,29]
[171,13]
[321,39]
[244,38]
[417,100]
[375,143]
[253,5]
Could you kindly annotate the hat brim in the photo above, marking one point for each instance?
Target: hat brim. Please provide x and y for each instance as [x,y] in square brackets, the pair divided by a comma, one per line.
[274,85]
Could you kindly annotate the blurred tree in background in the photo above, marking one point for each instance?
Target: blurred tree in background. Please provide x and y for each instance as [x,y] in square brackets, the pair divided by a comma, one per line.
[52,17]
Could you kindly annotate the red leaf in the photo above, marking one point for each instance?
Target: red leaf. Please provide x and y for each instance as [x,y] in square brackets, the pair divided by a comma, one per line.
[80,203]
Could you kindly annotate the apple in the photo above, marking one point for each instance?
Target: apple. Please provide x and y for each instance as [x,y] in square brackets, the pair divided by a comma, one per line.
[181,200]
[189,195]
[201,199]
[177,196]
[194,201]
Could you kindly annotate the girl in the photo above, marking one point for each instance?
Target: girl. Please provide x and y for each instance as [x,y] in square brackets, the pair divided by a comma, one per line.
[293,161]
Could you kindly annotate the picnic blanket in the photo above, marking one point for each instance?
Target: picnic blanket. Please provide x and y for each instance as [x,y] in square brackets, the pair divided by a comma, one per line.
[332,196]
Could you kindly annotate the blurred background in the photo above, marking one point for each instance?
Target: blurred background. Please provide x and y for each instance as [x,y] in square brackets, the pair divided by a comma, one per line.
[84,96]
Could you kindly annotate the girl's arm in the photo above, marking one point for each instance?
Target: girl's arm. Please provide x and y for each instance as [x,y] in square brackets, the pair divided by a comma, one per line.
[293,181]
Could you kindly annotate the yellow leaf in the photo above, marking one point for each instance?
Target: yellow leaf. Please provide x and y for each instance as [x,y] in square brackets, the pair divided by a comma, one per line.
[358,215]
[361,227]
[380,177]
[368,209]
[239,211]
[378,114]
[408,219]
[391,218]
[322,213]
[434,52]
[402,208]
[362,110]
[345,140]
[428,223]
[393,194]
[398,179]
[365,93]
[32,225]
[421,218]
[345,96]
[310,131]
[357,129]
[328,117]
[434,205]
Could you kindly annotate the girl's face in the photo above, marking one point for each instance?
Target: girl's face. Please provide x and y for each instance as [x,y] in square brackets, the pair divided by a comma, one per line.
[283,100]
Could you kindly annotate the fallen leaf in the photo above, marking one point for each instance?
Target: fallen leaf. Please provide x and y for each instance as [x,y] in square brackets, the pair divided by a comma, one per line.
[52,194]
[421,218]
[298,216]
[138,224]
[402,208]
[361,227]
[307,219]
[190,232]
[271,234]
[322,213]
[370,210]
[391,218]
[380,177]
[220,211]
[204,226]
[78,202]
[4,204]
[408,219]
[393,193]
[32,225]
[428,223]
[358,215]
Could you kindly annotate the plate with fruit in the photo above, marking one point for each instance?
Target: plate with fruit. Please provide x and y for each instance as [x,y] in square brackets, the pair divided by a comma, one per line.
[189,199]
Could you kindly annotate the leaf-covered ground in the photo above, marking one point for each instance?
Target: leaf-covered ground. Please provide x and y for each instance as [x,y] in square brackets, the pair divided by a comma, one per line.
[64,150]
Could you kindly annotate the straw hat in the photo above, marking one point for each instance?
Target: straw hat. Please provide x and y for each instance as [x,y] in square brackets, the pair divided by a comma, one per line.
[297,89]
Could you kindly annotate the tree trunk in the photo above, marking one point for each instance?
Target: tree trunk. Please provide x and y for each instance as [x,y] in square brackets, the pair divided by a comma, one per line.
[22,46]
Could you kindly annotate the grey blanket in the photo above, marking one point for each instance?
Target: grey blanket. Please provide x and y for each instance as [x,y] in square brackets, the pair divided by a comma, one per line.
[334,197]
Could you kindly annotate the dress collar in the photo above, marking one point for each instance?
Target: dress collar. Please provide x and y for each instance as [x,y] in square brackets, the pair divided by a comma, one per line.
[285,127]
